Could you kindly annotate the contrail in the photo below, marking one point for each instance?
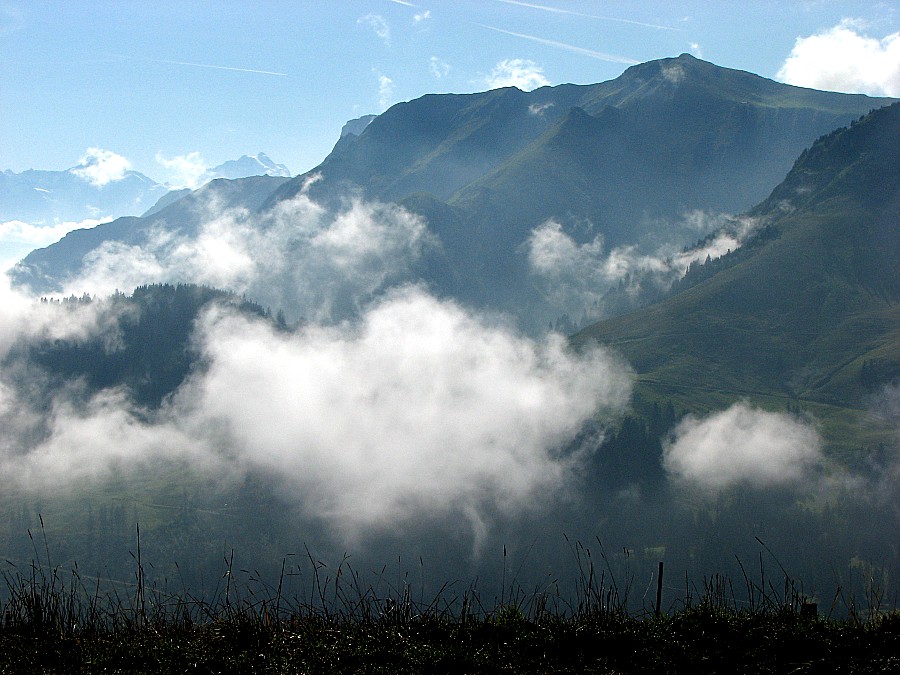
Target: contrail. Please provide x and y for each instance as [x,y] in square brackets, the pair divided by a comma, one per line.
[403,2]
[208,65]
[613,58]
[557,10]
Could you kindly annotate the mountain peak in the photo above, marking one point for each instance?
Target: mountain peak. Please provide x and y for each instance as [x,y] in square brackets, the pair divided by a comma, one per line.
[356,126]
[257,165]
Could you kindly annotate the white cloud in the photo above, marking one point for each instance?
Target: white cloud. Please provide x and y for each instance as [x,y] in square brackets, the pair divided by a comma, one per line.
[23,317]
[417,412]
[385,91]
[100,167]
[106,437]
[185,171]
[422,16]
[844,59]
[379,26]
[743,445]
[410,409]
[696,50]
[521,73]
[438,67]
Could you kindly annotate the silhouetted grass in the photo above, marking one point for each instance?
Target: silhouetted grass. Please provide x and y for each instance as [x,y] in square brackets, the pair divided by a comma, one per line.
[58,621]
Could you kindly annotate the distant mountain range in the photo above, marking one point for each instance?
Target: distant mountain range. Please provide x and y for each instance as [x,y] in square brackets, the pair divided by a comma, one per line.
[48,197]
[248,165]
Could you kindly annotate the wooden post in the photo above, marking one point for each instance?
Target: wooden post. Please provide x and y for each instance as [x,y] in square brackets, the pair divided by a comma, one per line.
[659,578]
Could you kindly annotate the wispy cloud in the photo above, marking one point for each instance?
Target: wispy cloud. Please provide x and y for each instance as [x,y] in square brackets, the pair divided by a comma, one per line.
[403,2]
[576,277]
[385,91]
[422,16]
[379,26]
[569,12]
[215,67]
[438,67]
[602,56]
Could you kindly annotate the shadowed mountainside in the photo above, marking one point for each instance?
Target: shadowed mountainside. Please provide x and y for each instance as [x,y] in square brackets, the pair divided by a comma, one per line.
[810,308]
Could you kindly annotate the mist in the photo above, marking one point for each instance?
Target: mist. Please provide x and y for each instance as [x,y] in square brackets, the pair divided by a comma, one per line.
[417,412]
[592,281]
[385,422]
[310,262]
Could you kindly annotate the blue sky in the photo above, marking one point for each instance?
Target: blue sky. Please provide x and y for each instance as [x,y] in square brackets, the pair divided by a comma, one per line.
[167,84]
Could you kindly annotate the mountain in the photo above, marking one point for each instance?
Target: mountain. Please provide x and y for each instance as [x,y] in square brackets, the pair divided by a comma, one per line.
[703,119]
[255,165]
[46,197]
[616,164]
[624,159]
[43,269]
[808,311]
[356,126]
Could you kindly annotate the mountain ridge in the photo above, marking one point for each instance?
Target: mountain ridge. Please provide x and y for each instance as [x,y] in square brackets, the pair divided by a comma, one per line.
[615,164]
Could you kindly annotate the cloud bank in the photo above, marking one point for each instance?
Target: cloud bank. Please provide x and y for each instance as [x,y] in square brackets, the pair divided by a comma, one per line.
[388,406]
[844,59]
[420,408]
[417,412]
[743,445]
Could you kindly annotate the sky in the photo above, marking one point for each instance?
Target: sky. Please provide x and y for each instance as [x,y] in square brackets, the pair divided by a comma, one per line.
[167,88]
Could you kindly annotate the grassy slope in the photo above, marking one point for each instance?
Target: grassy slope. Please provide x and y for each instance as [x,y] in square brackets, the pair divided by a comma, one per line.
[797,319]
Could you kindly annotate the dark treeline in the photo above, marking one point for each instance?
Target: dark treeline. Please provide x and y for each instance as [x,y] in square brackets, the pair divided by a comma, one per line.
[147,348]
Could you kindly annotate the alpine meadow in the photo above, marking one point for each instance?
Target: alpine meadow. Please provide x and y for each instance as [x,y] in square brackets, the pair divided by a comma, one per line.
[528,375]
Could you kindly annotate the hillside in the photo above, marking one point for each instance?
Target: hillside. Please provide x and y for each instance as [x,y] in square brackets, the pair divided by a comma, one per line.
[809,310]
